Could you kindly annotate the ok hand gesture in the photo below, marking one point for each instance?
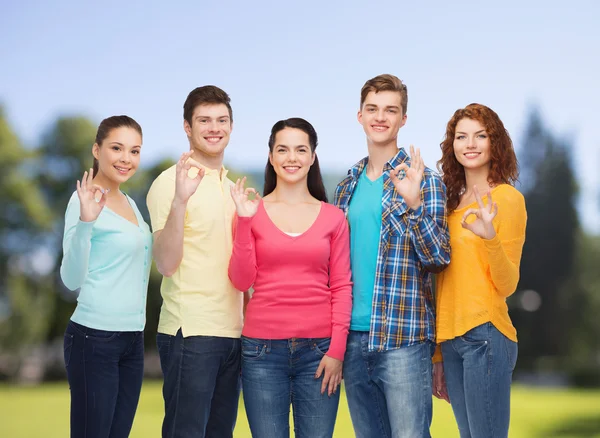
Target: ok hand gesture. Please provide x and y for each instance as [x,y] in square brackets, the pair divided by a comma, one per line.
[245,207]
[409,187]
[482,226]
[90,209]
[185,186]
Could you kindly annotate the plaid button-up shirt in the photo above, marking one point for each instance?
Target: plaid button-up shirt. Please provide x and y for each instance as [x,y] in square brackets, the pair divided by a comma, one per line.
[413,244]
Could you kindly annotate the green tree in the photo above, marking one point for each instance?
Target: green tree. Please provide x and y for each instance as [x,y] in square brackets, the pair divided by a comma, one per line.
[24,306]
[550,247]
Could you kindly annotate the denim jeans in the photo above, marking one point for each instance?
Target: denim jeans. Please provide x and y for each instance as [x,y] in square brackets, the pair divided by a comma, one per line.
[389,392]
[201,385]
[478,367]
[276,373]
[105,371]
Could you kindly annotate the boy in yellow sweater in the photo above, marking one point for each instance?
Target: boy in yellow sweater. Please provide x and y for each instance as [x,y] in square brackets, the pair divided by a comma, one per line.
[477,343]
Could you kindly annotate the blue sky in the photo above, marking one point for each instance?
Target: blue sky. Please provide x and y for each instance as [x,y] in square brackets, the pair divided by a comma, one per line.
[307,59]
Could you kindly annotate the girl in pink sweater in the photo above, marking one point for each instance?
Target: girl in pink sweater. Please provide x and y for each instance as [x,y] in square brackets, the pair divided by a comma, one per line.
[293,249]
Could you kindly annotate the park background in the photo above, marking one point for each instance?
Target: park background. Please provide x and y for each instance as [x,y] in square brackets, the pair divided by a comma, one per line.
[66,65]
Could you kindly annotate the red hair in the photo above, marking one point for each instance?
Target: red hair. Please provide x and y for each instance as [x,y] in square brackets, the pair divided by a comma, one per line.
[504,168]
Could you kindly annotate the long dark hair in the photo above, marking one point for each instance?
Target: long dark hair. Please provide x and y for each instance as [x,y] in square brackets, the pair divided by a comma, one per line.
[108,125]
[314,179]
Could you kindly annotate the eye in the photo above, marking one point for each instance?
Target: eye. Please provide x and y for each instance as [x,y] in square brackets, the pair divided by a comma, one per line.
[135,152]
[223,121]
[203,121]
[460,137]
[482,136]
[116,148]
[392,111]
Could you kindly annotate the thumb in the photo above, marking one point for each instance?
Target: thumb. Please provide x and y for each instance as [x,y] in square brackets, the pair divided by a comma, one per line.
[102,201]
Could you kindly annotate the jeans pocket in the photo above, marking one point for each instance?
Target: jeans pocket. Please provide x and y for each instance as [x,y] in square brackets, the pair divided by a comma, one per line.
[512,351]
[253,349]
[67,348]
[479,335]
[321,346]
[101,335]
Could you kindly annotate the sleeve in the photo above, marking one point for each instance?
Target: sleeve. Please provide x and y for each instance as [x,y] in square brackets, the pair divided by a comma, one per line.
[242,264]
[505,249]
[77,244]
[159,200]
[437,355]
[340,286]
[429,225]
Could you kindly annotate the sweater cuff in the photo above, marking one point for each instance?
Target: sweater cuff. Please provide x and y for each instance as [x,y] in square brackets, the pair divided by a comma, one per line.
[337,347]
[84,229]
[493,243]
[243,232]
[437,355]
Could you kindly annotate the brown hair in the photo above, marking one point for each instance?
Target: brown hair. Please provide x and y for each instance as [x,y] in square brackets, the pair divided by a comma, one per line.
[504,168]
[207,95]
[110,123]
[385,82]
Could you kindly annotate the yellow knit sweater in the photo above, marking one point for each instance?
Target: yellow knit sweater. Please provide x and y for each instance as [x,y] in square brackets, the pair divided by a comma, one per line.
[473,289]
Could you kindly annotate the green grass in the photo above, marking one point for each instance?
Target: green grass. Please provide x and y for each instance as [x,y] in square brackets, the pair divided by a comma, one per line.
[43,411]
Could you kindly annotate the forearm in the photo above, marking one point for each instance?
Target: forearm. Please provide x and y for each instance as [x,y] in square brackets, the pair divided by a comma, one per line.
[341,309]
[503,270]
[242,264]
[431,240]
[168,245]
[76,248]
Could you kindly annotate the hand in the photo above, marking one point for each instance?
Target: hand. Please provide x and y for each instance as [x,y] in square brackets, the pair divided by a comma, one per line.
[86,190]
[185,186]
[482,226]
[332,374]
[245,207]
[409,187]
[439,382]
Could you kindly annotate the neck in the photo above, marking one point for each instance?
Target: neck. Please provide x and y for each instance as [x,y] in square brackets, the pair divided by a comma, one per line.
[107,183]
[208,161]
[296,193]
[477,177]
[378,156]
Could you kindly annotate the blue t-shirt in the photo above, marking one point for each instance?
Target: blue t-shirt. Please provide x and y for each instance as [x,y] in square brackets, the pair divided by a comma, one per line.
[364,217]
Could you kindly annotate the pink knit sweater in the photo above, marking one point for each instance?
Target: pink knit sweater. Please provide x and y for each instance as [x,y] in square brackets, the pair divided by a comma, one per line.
[302,286]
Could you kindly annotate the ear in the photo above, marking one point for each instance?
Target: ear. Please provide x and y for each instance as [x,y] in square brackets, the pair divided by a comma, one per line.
[271,158]
[187,128]
[314,156]
[359,117]
[403,121]
[231,126]
[96,150]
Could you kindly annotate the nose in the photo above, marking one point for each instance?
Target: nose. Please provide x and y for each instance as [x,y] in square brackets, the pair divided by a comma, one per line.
[380,116]
[470,142]
[125,158]
[214,125]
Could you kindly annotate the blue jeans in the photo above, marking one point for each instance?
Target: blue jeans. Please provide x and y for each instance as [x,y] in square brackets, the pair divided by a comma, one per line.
[201,385]
[389,392]
[276,373]
[105,371]
[478,367]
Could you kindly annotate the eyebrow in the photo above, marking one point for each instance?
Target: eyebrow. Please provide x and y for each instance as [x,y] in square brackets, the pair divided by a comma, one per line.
[372,105]
[208,117]
[460,132]
[297,146]
[122,145]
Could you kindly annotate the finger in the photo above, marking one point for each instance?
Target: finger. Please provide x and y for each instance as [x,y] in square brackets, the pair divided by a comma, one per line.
[102,200]
[478,198]
[90,176]
[249,190]
[84,181]
[320,369]
[332,385]
[200,173]
[490,200]
[468,213]
[494,210]
[325,383]
[95,188]
[78,188]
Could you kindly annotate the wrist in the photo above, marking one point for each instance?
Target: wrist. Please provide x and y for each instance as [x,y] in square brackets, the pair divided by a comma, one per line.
[179,203]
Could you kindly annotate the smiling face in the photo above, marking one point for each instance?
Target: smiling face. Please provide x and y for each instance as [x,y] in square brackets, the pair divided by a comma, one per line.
[471,144]
[119,154]
[291,156]
[210,130]
[381,117]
